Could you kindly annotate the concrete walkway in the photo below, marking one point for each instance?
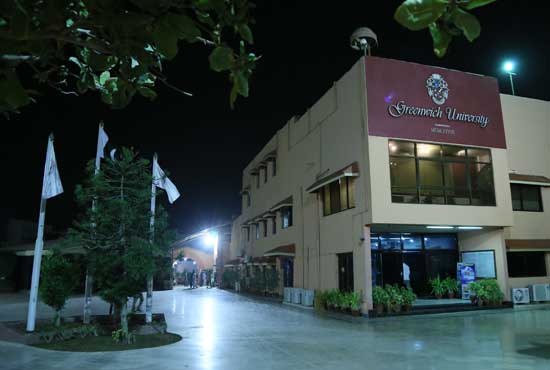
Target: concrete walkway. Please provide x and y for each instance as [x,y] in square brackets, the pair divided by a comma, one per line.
[225,331]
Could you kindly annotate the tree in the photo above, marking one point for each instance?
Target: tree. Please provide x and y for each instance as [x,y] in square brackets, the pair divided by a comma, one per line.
[116,47]
[116,233]
[57,282]
[444,18]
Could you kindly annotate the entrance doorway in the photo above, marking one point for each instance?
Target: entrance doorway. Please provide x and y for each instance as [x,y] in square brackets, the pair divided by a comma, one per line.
[345,272]
[423,256]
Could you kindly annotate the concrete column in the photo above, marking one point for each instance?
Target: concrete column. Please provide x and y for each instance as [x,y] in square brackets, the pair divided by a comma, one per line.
[367,271]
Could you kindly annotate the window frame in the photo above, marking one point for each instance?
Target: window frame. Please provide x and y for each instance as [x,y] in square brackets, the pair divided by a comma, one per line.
[447,192]
[327,206]
[274,225]
[525,272]
[286,211]
[521,187]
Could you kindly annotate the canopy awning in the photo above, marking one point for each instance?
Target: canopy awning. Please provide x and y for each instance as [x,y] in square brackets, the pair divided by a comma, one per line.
[265,260]
[349,171]
[528,244]
[516,178]
[284,203]
[283,250]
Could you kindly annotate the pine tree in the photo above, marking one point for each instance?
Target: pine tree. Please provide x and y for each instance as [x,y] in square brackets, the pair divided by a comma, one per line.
[116,232]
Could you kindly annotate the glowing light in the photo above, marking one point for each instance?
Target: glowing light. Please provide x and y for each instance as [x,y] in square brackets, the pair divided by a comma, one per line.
[470,228]
[440,227]
[210,239]
[508,66]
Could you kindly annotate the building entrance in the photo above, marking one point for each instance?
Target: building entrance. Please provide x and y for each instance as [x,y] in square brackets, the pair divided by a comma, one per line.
[408,259]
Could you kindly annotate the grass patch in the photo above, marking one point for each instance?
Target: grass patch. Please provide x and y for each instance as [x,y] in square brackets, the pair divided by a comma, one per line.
[107,344]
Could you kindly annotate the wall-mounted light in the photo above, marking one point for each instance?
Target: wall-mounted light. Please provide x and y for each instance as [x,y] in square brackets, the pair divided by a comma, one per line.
[470,228]
[440,227]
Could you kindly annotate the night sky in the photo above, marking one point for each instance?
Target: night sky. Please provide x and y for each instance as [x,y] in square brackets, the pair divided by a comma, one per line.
[205,145]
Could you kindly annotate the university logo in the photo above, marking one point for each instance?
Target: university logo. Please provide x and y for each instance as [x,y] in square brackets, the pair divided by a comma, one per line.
[438,89]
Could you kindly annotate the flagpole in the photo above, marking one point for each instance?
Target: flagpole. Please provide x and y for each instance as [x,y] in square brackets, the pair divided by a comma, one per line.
[38,247]
[149,299]
[88,285]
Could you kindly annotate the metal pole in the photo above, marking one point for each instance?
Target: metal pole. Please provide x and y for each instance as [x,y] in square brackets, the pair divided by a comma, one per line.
[38,247]
[512,83]
[88,285]
[149,299]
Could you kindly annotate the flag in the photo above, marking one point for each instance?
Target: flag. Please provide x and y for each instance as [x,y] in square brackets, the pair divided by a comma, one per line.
[102,140]
[161,181]
[51,184]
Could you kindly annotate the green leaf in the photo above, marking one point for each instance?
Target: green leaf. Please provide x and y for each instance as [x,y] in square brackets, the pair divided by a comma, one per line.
[75,61]
[242,83]
[167,42]
[12,92]
[472,4]
[418,14]
[441,40]
[246,33]
[221,58]
[468,23]
[3,22]
[104,77]
[147,92]
[184,25]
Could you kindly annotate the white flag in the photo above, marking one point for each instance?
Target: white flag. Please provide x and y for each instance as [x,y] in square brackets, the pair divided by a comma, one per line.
[51,184]
[161,181]
[102,139]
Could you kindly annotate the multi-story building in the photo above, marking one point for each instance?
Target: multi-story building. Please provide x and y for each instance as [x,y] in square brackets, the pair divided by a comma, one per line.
[402,170]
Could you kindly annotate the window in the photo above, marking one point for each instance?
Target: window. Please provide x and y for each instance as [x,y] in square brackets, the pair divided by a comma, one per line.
[286,215]
[440,174]
[248,200]
[248,233]
[338,195]
[264,227]
[274,225]
[273,167]
[526,198]
[257,180]
[526,264]
[257,231]
[441,242]
[265,174]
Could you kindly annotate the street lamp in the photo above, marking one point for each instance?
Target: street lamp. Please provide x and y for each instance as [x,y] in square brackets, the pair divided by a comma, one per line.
[509,67]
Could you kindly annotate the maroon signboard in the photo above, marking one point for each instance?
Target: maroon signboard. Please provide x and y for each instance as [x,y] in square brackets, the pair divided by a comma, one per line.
[415,101]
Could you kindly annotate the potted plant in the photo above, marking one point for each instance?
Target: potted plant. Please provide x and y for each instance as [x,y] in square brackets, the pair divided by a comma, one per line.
[320,300]
[493,294]
[438,288]
[451,286]
[477,293]
[395,300]
[343,301]
[355,303]
[332,299]
[379,299]
[408,297]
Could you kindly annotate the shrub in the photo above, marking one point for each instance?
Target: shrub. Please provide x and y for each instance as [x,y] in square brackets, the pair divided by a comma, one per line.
[380,295]
[408,296]
[395,299]
[354,301]
[57,282]
[491,291]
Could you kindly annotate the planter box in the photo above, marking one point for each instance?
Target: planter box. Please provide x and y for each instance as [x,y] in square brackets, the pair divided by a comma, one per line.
[287,294]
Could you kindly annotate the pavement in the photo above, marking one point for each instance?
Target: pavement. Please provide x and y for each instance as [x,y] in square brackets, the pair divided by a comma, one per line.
[222,330]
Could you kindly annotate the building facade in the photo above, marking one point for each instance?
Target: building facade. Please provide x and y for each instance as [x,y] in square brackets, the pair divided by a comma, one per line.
[400,171]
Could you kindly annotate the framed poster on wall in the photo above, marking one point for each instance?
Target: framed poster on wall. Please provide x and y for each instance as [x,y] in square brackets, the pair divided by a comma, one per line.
[484,261]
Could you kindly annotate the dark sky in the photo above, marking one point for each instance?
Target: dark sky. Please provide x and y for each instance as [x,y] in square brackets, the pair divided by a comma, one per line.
[205,145]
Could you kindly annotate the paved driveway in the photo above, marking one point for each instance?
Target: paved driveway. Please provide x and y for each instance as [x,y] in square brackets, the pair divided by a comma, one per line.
[225,331]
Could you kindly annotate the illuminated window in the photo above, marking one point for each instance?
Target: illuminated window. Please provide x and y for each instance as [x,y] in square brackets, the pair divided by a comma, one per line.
[286,215]
[440,174]
[338,196]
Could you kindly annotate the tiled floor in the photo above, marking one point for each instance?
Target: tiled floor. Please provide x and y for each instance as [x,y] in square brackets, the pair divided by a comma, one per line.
[224,331]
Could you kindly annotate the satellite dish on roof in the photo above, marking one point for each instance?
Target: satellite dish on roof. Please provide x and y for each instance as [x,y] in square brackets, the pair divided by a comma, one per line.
[363,39]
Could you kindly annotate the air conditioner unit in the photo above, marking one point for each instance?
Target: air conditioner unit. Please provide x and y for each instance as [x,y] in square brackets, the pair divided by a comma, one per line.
[539,292]
[520,295]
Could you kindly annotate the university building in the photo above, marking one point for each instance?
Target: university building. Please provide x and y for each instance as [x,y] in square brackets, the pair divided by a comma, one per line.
[401,164]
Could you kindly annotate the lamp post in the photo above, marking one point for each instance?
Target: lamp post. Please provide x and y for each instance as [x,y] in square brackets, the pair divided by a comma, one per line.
[508,67]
